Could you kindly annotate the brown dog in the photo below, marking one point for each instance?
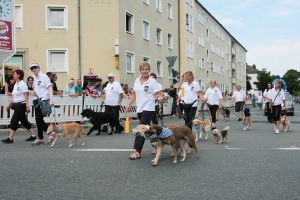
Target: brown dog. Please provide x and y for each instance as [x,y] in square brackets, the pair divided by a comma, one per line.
[178,134]
[220,135]
[285,124]
[201,127]
[66,130]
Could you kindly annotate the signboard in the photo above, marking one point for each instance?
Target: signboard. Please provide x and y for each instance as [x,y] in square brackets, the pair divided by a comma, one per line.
[6,41]
[284,86]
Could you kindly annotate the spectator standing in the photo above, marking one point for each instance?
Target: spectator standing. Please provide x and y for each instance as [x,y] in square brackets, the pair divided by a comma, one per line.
[172,93]
[78,88]
[70,89]
[112,98]
[53,81]
[239,97]
[8,86]
[266,95]
[43,90]
[86,88]
[30,82]
[98,81]
[20,99]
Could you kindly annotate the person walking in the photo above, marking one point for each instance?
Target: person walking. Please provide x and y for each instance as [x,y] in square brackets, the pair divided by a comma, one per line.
[19,103]
[254,100]
[239,97]
[112,99]
[157,105]
[42,91]
[266,95]
[259,101]
[191,90]
[213,97]
[277,97]
[145,91]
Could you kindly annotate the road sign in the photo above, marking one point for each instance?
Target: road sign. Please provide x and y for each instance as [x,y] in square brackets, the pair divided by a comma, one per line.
[6,29]
[171,60]
[284,86]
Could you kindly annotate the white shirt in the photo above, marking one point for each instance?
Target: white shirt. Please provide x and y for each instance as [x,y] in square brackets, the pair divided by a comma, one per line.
[239,96]
[267,94]
[145,94]
[179,95]
[160,89]
[213,96]
[259,99]
[40,86]
[112,93]
[18,90]
[191,92]
[280,97]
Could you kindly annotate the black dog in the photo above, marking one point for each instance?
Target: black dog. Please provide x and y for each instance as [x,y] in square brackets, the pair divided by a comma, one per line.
[247,112]
[99,118]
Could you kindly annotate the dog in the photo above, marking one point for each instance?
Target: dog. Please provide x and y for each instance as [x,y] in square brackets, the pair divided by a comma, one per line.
[220,135]
[247,120]
[226,114]
[65,130]
[201,127]
[285,124]
[99,118]
[172,137]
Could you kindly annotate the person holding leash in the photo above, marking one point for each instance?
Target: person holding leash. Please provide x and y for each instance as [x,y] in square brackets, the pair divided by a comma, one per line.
[239,96]
[157,105]
[145,91]
[266,95]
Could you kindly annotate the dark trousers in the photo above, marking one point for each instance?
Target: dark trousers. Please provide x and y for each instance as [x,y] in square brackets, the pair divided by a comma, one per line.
[173,107]
[40,123]
[269,113]
[144,118]
[19,115]
[113,109]
[276,111]
[180,109]
[154,119]
[213,109]
[189,115]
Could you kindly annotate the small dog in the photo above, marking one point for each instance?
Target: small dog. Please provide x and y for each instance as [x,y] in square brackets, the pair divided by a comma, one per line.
[174,137]
[226,114]
[285,124]
[201,127]
[65,130]
[220,135]
[247,120]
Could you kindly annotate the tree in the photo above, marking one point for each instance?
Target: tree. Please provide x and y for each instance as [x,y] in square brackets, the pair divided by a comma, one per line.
[248,84]
[263,78]
[291,79]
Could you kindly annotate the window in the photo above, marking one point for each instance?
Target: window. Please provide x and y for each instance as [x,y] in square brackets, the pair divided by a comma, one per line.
[201,40]
[57,17]
[57,60]
[146,2]
[201,17]
[212,26]
[201,62]
[129,62]
[190,2]
[170,41]
[222,36]
[129,23]
[169,11]
[19,16]
[207,35]
[158,5]
[146,30]
[191,23]
[189,49]
[158,36]
[207,56]
[170,74]
[202,84]
[159,68]
[146,59]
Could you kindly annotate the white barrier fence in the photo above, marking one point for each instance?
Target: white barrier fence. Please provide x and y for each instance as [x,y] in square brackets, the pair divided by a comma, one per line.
[69,108]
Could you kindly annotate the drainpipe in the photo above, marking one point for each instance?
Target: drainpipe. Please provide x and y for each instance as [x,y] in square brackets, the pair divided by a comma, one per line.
[79,42]
[179,38]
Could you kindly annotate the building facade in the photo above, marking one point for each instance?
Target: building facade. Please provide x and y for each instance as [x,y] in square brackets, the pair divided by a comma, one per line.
[252,73]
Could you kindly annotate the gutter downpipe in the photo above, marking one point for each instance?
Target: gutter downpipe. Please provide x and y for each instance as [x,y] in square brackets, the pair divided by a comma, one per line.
[179,40]
[79,41]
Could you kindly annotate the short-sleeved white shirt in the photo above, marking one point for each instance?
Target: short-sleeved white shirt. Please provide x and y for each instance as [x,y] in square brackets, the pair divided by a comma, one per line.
[112,93]
[267,94]
[40,86]
[239,96]
[191,92]
[280,97]
[259,99]
[213,96]
[145,100]
[18,90]
[159,89]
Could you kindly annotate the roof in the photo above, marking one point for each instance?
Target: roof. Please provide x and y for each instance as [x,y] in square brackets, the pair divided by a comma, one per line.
[251,69]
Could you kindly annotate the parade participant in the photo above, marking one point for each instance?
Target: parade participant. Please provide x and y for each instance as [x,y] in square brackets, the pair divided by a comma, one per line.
[145,91]
[266,95]
[172,93]
[259,101]
[239,97]
[157,105]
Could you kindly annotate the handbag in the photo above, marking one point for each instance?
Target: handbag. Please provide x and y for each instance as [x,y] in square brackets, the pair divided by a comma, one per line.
[188,105]
[272,103]
[14,106]
[45,106]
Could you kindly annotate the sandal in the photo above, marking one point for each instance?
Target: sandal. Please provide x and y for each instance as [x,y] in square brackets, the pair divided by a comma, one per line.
[135,156]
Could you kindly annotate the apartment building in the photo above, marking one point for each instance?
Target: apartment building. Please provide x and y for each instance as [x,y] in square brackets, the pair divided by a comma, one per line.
[211,52]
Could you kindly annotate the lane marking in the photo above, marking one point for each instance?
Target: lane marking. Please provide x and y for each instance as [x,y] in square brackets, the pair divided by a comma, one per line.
[290,148]
[228,148]
[106,150]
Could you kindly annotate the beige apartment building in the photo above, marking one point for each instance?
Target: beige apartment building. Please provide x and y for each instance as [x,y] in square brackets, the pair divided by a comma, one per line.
[91,38]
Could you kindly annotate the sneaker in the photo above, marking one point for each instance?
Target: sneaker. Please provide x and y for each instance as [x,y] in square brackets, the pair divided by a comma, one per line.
[31,138]
[51,138]
[275,128]
[7,141]
[277,131]
[239,119]
[37,142]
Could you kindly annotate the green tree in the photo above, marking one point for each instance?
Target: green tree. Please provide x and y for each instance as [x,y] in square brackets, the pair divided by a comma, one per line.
[263,78]
[248,84]
[291,79]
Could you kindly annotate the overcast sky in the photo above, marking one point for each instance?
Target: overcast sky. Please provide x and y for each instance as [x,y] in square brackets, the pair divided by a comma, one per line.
[268,29]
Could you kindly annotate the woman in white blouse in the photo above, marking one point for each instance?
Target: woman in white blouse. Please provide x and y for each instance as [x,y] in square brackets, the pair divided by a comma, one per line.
[266,95]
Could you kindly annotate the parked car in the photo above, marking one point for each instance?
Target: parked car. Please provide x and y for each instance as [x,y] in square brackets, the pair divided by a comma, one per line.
[289,104]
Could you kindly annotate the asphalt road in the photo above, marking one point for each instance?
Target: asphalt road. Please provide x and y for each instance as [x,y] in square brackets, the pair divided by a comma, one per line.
[255,164]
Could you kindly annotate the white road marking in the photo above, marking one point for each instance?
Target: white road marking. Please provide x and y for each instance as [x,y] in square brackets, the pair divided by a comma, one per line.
[290,148]
[103,150]
[227,147]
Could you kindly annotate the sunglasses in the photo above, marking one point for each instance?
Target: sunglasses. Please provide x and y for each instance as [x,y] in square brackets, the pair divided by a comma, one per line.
[33,68]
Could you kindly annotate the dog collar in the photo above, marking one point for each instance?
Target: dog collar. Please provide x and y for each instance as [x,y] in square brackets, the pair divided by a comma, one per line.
[59,129]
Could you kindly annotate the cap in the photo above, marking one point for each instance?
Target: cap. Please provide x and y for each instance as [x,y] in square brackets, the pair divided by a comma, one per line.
[110,75]
[34,65]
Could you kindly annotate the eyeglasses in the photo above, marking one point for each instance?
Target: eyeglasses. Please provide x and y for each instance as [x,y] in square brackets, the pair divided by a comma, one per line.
[34,67]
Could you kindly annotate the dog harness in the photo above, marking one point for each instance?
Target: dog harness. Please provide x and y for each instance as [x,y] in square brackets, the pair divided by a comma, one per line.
[197,128]
[59,129]
[164,134]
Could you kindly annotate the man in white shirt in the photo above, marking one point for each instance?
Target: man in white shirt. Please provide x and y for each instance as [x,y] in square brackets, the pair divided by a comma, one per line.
[112,98]
[239,97]
[259,101]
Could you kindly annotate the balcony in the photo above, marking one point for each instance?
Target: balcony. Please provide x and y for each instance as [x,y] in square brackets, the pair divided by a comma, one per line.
[233,51]
[233,80]
[233,66]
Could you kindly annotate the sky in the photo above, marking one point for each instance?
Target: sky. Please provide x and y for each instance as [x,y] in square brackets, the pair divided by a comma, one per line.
[268,29]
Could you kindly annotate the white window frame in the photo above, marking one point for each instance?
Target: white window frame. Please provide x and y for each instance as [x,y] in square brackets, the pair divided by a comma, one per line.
[169,10]
[148,30]
[191,23]
[132,22]
[49,62]
[170,46]
[132,71]
[159,8]
[158,43]
[147,2]
[191,50]
[203,62]
[147,58]
[48,11]
[20,26]
[207,35]
[187,20]
[161,68]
